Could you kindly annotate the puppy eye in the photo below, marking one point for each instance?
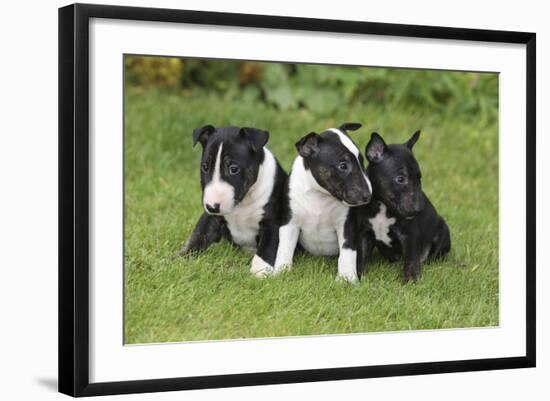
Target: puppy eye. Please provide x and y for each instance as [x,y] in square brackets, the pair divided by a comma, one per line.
[343,166]
[400,179]
[204,167]
[234,169]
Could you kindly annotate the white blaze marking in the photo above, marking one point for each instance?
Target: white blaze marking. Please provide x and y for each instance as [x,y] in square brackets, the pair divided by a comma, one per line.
[348,143]
[368,182]
[381,225]
[216,176]
[217,190]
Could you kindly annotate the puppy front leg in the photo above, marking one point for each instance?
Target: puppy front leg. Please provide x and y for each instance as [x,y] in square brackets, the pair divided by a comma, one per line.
[268,241]
[411,269]
[364,252]
[209,229]
[347,258]
[288,239]
[441,244]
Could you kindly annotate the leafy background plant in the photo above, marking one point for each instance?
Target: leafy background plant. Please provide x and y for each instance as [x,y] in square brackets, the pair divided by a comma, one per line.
[321,91]
[213,295]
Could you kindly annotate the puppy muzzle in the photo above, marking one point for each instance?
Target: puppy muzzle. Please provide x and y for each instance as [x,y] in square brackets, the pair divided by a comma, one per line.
[357,200]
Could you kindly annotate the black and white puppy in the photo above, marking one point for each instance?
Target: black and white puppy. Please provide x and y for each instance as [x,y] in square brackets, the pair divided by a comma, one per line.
[327,183]
[243,192]
[401,217]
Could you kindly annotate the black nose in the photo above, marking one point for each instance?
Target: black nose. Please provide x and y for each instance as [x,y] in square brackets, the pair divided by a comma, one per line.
[366,198]
[215,208]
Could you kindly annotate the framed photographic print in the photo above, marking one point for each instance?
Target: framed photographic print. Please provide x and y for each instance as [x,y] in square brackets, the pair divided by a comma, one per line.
[251,199]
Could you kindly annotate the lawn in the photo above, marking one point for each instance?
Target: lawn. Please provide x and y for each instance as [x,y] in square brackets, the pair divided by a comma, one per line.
[213,296]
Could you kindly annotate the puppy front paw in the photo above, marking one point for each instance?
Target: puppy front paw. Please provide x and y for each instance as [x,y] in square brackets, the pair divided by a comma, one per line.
[260,268]
[347,277]
[183,251]
[411,272]
[347,270]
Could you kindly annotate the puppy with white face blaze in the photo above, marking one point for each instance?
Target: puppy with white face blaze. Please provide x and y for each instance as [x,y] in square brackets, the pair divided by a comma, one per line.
[327,186]
[243,193]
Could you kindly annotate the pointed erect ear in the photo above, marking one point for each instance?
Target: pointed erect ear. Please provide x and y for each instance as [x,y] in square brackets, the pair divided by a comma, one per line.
[257,138]
[350,126]
[375,148]
[410,143]
[202,134]
[308,146]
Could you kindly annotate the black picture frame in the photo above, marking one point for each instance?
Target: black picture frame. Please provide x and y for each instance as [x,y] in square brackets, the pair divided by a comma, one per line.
[74,198]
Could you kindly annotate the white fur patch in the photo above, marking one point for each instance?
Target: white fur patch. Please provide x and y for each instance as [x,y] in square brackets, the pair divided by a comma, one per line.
[348,143]
[288,238]
[315,211]
[260,268]
[347,265]
[244,220]
[217,190]
[368,182]
[381,224]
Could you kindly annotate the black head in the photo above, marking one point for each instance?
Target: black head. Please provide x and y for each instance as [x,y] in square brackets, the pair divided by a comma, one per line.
[336,164]
[231,159]
[395,175]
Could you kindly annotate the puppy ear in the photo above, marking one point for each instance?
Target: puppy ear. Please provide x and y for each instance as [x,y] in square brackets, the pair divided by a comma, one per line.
[257,138]
[309,145]
[350,126]
[202,134]
[375,148]
[410,143]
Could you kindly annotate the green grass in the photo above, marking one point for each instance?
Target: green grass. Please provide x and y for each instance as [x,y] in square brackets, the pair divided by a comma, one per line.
[213,295]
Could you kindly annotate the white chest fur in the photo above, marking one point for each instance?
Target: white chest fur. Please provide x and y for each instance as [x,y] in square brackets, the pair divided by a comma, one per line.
[244,228]
[318,214]
[381,224]
[244,220]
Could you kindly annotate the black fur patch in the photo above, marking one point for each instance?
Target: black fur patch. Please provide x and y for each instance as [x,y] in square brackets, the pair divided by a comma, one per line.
[418,233]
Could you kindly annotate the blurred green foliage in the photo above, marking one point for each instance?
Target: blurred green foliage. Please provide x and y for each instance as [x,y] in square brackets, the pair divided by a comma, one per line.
[160,71]
[322,90]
